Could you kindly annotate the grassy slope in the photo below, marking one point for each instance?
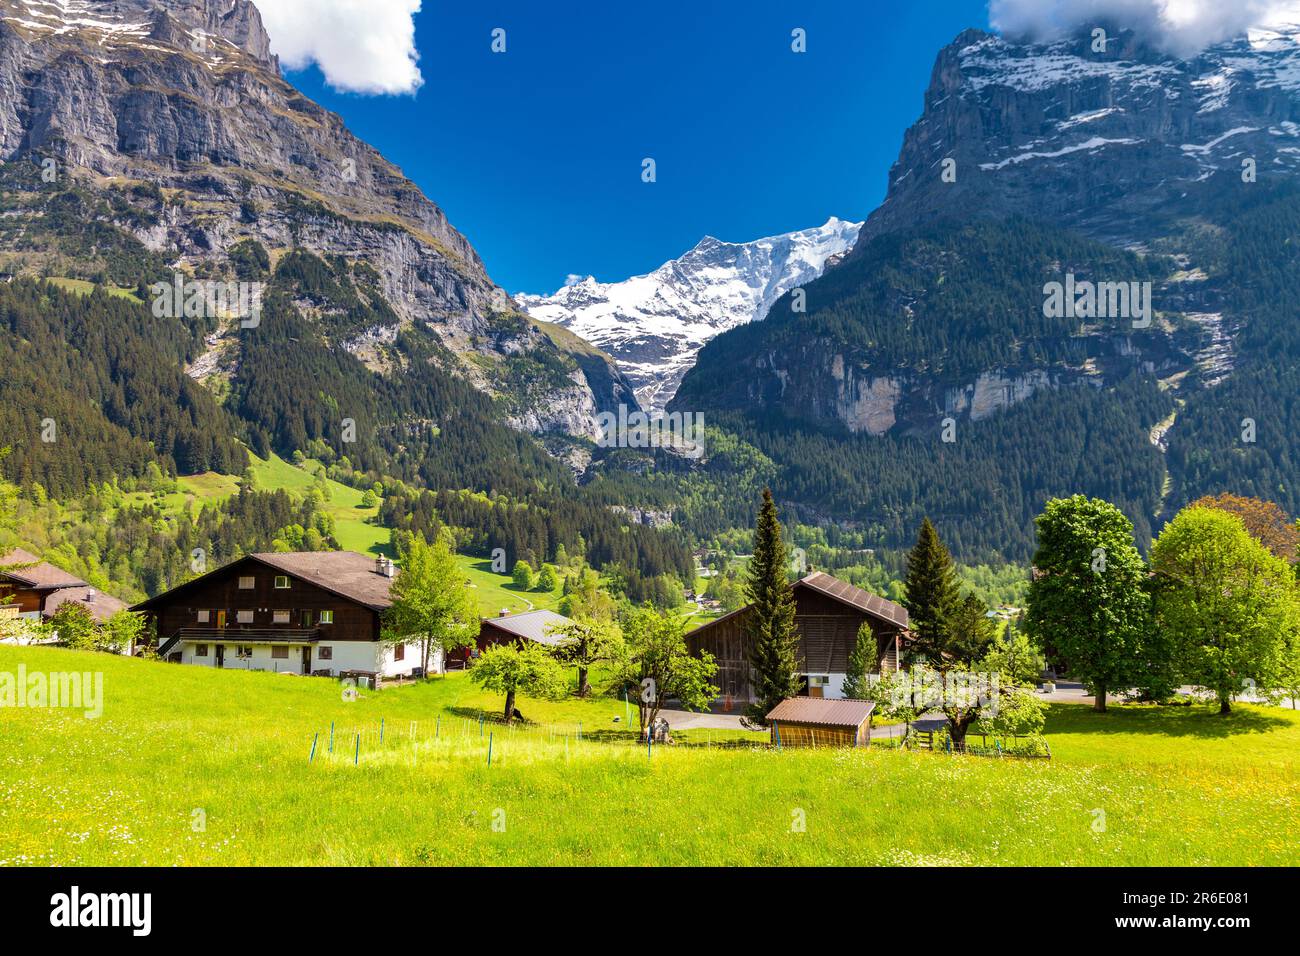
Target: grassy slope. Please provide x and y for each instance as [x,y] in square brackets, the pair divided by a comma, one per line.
[354,526]
[1177,786]
[84,287]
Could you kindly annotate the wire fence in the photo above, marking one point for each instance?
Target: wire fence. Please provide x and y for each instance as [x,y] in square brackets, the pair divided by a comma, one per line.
[491,741]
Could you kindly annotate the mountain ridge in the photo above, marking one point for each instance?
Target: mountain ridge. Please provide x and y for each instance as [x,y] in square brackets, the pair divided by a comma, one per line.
[186,96]
[654,324]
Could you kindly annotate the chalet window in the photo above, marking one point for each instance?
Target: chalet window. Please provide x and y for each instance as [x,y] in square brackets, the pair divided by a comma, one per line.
[280,653]
[399,652]
[325,653]
[247,584]
[281,582]
[200,650]
[203,617]
[245,653]
[327,617]
[244,617]
[279,617]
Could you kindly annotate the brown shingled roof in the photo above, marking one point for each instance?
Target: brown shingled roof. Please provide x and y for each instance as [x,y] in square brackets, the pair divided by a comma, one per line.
[872,604]
[101,609]
[346,573]
[26,568]
[822,712]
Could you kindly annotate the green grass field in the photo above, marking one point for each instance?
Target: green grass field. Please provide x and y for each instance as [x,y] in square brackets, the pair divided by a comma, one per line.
[85,287]
[192,766]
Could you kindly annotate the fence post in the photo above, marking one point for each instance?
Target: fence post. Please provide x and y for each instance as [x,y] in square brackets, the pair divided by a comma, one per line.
[314,738]
[331,736]
[381,730]
[356,757]
[490,736]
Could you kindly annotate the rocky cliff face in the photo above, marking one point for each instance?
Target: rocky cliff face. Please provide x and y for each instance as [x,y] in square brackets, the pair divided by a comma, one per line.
[1115,143]
[185,96]
[1129,148]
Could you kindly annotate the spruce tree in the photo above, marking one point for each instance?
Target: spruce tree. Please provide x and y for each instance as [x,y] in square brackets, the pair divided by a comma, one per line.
[931,598]
[862,663]
[769,626]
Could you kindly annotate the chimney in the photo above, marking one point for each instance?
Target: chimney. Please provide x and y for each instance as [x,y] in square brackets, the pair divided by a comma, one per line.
[389,568]
[90,595]
[379,565]
[504,612]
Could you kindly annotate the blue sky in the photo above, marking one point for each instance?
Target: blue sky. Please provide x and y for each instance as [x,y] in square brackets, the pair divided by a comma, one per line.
[535,154]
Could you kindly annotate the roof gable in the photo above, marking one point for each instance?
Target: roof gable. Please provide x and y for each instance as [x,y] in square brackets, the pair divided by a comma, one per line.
[347,574]
[26,568]
[865,601]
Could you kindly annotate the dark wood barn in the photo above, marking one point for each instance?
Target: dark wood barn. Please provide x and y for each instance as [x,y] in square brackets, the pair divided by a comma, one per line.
[828,614]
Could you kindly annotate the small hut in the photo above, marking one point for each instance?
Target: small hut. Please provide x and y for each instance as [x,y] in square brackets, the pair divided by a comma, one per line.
[815,722]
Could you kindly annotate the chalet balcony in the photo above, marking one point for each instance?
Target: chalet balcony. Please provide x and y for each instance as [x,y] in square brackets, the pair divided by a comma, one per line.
[250,635]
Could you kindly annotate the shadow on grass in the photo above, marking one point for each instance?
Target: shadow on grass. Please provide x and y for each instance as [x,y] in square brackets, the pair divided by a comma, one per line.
[1203,721]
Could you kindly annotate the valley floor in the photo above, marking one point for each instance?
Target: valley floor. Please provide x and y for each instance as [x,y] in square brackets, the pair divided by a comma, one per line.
[190,766]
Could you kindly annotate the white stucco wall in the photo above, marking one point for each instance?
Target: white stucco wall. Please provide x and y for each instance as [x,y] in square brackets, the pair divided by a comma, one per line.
[345,656]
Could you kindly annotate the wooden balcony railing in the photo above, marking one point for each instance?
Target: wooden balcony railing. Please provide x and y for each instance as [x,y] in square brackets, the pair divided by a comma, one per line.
[242,634]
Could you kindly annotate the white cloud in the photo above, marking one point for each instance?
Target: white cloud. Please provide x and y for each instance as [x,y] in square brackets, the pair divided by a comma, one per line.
[1182,26]
[361,46]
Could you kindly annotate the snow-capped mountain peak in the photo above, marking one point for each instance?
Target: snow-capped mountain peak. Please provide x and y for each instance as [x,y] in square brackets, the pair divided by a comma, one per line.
[654,324]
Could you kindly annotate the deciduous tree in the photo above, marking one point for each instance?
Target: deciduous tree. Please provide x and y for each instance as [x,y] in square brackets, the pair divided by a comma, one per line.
[584,643]
[653,660]
[1229,605]
[432,600]
[1088,600]
[512,669]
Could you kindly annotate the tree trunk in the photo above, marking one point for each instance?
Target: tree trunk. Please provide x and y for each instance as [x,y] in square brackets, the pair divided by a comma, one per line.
[510,706]
[957,731]
[1099,702]
[584,688]
[1225,706]
[424,657]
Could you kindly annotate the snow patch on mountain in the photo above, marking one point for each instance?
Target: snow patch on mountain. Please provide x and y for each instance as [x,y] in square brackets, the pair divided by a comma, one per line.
[653,325]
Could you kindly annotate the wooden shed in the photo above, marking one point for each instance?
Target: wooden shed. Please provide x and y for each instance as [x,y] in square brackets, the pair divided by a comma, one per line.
[813,722]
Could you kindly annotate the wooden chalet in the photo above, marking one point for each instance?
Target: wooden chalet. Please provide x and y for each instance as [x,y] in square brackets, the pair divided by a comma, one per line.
[828,615]
[37,589]
[300,613]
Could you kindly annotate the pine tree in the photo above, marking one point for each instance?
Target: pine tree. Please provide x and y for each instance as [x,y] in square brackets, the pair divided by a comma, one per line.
[932,595]
[769,626]
[862,661]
